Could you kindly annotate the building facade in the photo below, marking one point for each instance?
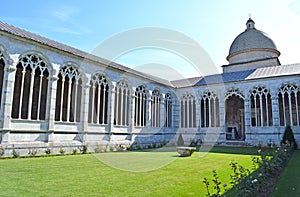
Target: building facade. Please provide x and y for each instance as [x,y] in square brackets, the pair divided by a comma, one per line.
[55,95]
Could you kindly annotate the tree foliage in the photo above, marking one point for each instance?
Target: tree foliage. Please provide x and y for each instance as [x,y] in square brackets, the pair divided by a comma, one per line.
[288,137]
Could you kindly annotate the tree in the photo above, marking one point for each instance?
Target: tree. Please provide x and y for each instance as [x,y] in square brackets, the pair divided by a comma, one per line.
[289,136]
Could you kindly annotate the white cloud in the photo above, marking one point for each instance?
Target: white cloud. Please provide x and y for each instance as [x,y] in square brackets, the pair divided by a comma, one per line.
[65,21]
[64,13]
[65,30]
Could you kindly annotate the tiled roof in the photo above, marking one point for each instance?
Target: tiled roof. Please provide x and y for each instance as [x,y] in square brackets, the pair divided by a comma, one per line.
[45,41]
[274,71]
[186,82]
[224,78]
[265,72]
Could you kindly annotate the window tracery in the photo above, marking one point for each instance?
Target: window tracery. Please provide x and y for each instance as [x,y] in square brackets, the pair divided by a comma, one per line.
[209,109]
[68,94]
[122,96]
[289,100]
[261,106]
[155,108]
[168,109]
[140,106]
[234,91]
[98,106]
[30,89]
[188,111]
[2,69]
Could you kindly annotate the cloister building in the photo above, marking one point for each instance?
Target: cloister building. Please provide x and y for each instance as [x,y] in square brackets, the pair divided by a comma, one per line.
[53,94]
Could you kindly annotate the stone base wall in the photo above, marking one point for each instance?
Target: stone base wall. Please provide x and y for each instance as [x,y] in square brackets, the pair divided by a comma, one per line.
[25,142]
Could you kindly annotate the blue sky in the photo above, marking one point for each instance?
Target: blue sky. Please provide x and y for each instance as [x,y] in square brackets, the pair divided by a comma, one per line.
[212,24]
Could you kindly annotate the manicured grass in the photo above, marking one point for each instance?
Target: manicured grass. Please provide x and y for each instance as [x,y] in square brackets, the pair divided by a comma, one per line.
[289,181]
[143,173]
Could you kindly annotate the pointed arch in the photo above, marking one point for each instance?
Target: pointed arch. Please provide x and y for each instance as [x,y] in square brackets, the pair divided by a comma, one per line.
[68,94]
[140,106]
[209,109]
[188,111]
[234,114]
[155,108]
[234,92]
[122,100]
[289,104]
[261,106]
[31,88]
[2,72]
[98,105]
[169,110]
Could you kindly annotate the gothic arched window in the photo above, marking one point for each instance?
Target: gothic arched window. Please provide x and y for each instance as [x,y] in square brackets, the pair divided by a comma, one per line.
[68,94]
[98,105]
[261,107]
[234,114]
[188,111]
[30,89]
[155,108]
[209,109]
[122,97]
[2,66]
[289,100]
[168,108]
[140,106]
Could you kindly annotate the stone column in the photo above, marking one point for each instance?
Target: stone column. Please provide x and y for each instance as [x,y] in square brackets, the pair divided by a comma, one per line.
[7,97]
[51,106]
[148,112]
[162,115]
[275,111]
[176,119]
[131,108]
[84,118]
[132,114]
[52,100]
[222,115]
[247,114]
[198,122]
[111,111]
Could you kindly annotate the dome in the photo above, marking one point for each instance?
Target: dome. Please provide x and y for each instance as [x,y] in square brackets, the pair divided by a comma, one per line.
[252,40]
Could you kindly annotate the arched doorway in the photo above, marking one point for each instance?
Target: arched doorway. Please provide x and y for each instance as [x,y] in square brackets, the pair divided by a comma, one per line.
[234,117]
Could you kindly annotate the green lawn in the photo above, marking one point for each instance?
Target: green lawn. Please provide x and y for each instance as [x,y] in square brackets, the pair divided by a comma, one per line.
[140,173]
[289,181]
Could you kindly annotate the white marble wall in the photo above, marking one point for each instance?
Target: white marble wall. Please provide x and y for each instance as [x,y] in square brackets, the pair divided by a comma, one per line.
[17,131]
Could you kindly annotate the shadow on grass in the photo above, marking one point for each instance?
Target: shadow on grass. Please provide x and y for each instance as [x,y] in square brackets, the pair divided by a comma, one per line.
[233,150]
[215,149]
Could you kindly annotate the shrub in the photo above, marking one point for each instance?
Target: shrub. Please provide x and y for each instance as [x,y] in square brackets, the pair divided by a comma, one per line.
[288,137]
[122,147]
[196,142]
[62,150]
[74,151]
[2,151]
[32,152]
[100,149]
[15,154]
[111,148]
[250,183]
[48,151]
[83,149]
